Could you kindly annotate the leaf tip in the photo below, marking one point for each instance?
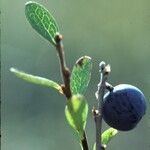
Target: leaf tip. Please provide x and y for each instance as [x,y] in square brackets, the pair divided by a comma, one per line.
[12,69]
[82,59]
[88,57]
[29,2]
[113,131]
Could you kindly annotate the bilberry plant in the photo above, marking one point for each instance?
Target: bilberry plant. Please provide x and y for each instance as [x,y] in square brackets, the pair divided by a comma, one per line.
[122,107]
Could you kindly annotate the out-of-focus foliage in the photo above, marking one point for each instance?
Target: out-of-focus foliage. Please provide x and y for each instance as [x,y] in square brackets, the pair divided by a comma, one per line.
[76,112]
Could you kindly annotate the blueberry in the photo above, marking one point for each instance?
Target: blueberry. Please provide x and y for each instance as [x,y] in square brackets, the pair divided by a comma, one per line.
[123,107]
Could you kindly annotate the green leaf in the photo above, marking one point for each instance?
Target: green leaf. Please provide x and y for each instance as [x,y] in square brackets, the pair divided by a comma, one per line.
[76,112]
[41,20]
[36,79]
[81,75]
[107,136]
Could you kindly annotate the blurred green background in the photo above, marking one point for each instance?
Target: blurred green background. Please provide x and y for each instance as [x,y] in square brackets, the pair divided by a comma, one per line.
[116,31]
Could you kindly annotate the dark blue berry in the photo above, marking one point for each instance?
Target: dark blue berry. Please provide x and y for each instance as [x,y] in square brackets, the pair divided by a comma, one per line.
[123,107]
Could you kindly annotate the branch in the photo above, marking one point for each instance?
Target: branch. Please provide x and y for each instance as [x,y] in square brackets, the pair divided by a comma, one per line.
[64,70]
[66,78]
[97,113]
[84,142]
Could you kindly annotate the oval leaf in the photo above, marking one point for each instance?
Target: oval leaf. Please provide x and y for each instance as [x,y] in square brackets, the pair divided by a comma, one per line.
[81,75]
[76,112]
[41,20]
[36,79]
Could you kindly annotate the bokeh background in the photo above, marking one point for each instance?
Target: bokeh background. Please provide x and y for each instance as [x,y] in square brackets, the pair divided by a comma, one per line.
[116,31]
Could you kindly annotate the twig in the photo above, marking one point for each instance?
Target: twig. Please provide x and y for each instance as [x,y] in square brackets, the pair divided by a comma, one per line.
[97,113]
[84,142]
[64,70]
[66,78]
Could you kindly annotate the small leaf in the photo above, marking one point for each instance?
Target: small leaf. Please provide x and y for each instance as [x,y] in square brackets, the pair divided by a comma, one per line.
[81,75]
[41,20]
[76,112]
[107,136]
[36,79]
